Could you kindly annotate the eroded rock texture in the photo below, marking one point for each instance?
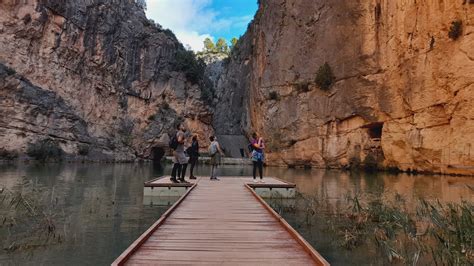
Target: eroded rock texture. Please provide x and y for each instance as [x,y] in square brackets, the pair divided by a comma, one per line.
[92,72]
[403,93]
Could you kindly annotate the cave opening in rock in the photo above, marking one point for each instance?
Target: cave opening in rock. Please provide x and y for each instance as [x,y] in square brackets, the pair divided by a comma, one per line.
[157,154]
[375,130]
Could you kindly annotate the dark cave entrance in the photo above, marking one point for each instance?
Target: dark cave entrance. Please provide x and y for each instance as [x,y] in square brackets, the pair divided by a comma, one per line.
[375,130]
[157,153]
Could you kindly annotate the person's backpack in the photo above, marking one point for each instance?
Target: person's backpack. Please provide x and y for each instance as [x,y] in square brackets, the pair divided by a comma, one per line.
[174,142]
[213,149]
[189,151]
[250,147]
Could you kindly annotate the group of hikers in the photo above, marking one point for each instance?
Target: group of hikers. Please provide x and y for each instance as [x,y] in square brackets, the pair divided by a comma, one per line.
[182,155]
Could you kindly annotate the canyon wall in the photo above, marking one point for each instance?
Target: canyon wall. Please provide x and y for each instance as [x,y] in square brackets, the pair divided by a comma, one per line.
[402,95]
[94,74]
[98,74]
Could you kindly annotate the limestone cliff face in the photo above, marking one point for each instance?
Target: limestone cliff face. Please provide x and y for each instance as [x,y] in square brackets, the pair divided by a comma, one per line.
[94,73]
[403,93]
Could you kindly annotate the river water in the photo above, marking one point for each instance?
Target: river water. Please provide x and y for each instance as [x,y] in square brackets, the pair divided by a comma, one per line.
[87,214]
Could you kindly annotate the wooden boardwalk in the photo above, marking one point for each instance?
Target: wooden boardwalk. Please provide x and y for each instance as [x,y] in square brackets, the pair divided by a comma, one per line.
[220,223]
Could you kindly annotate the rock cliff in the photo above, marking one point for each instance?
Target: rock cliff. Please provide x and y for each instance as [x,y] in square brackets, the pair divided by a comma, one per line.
[94,74]
[401,90]
[366,83]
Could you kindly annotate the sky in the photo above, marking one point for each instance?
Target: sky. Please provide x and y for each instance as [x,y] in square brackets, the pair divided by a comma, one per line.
[194,20]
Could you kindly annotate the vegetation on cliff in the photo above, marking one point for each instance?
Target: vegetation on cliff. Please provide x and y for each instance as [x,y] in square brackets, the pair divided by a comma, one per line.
[455,31]
[88,72]
[7,155]
[220,47]
[45,150]
[324,77]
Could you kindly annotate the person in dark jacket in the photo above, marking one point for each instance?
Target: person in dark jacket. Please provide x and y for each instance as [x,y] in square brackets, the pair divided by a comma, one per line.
[193,153]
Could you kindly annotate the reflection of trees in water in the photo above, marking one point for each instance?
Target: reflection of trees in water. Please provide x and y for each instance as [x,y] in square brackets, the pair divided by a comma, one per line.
[385,227]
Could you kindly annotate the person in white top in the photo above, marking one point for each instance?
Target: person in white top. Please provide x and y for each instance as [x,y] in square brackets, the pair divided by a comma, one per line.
[215,152]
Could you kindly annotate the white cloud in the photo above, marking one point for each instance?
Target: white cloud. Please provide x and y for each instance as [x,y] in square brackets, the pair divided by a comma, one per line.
[188,19]
[191,20]
[192,38]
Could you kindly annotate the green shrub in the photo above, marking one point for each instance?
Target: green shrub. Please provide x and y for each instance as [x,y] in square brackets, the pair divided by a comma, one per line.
[207,91]
[193,68]
[324,77]
[302,86]
[455,31]
[274,96]
[7,155]
[45,150]
[169,33]
[83,149]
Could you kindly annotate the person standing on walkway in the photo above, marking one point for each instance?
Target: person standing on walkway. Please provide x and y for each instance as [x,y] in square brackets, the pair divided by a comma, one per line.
[193,152]
[179,157]
[215,152]
[258,156]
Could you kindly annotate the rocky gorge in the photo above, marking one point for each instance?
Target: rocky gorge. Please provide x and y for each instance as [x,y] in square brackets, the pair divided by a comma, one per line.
[95,79]
[401,77]
[330,84]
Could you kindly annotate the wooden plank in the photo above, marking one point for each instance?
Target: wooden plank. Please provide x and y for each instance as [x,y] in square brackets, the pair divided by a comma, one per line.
[221,223]
[260,185]
[270,182]
[314,254]
[164,181]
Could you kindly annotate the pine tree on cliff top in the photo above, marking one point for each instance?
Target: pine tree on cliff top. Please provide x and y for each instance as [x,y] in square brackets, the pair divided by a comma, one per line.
[209,46]
[222,46]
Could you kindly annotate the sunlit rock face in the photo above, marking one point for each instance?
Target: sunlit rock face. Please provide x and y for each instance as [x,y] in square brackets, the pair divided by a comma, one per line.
[403,94]
[94,73]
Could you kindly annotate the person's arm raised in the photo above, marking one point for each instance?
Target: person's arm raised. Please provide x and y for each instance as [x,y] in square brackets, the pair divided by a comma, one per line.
[261,143]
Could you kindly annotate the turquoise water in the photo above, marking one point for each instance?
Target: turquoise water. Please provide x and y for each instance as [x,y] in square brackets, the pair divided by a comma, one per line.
[97,210]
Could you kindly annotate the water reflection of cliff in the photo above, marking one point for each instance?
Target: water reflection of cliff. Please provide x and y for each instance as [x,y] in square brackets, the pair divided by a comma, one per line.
[99,207]
[338,184]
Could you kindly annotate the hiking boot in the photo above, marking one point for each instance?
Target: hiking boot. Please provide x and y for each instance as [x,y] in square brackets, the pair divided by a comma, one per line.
[181,180]
[174,180]
[192,177]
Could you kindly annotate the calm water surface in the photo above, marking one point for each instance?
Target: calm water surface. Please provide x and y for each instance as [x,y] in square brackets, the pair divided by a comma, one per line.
[98,210]
[334,187]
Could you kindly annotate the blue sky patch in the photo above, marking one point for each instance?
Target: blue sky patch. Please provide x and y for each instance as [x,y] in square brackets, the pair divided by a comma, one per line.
[194,20]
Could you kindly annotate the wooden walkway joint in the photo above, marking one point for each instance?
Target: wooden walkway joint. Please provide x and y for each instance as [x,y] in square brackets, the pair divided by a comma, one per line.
[221,223]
